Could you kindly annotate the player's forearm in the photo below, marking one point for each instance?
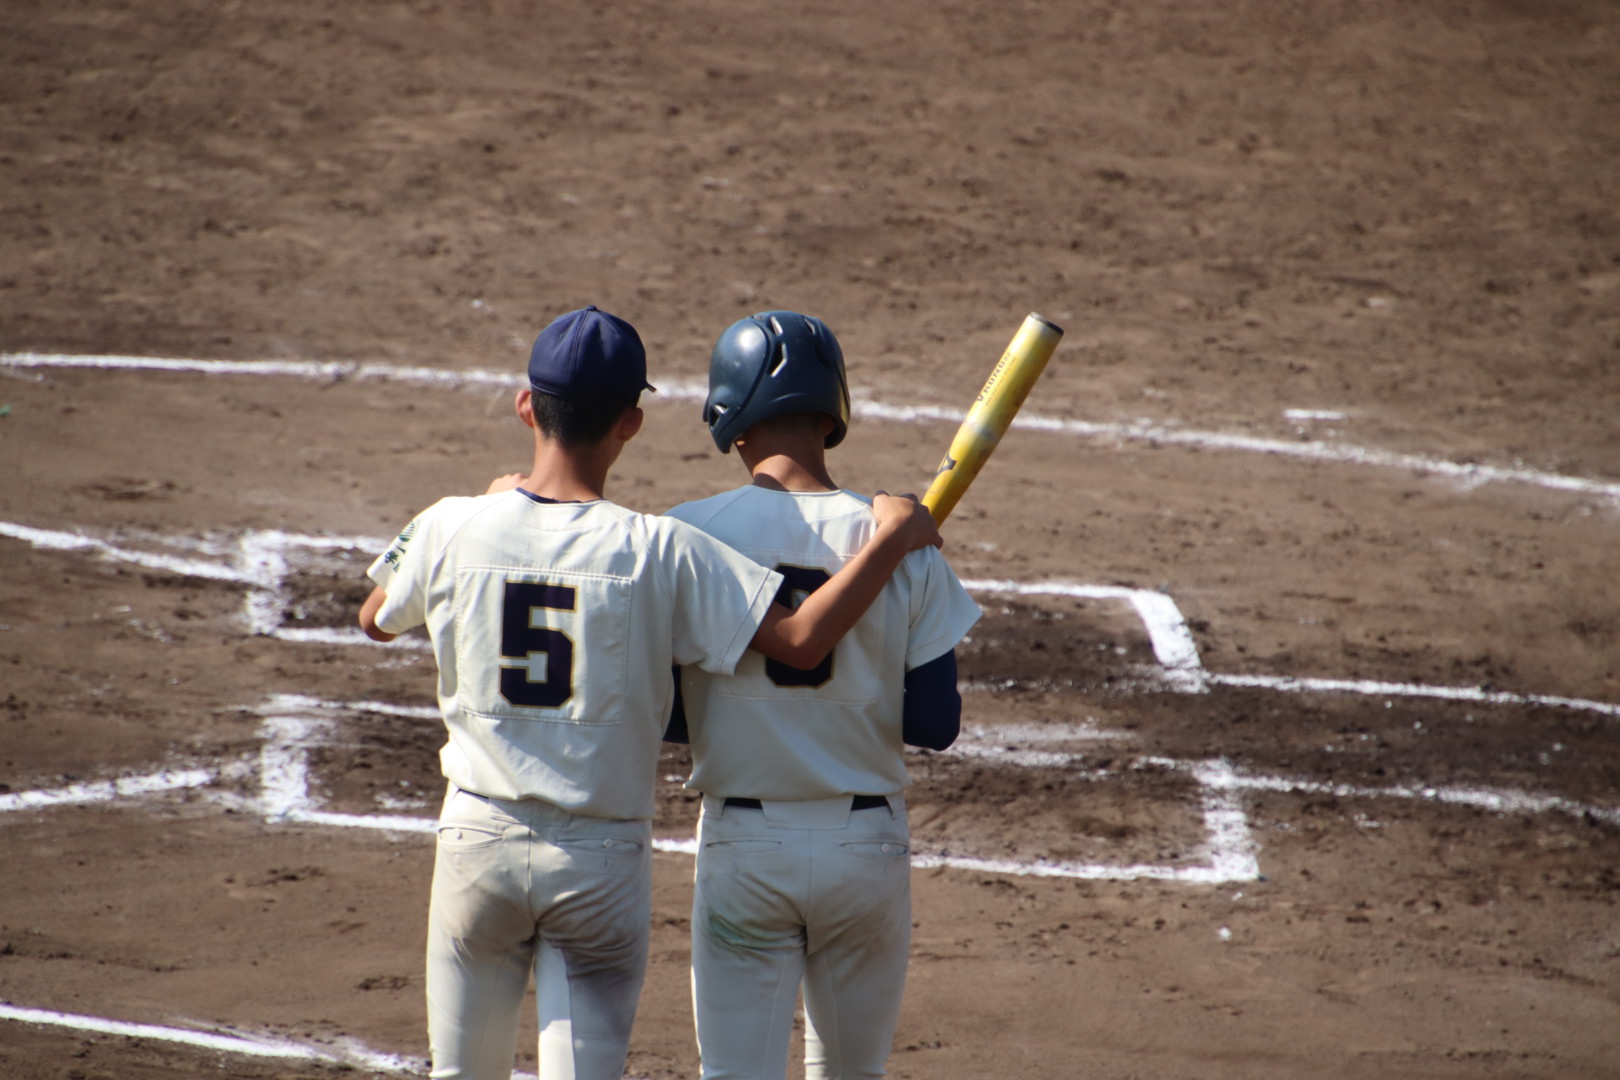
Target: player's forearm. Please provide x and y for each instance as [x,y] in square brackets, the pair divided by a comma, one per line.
[803,637]
[368,615]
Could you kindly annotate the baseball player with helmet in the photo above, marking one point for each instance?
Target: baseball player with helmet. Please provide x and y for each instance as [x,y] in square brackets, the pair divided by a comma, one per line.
[803,866]
[554,615]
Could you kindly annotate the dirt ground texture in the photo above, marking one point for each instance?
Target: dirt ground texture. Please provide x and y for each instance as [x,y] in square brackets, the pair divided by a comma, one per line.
[1310,258]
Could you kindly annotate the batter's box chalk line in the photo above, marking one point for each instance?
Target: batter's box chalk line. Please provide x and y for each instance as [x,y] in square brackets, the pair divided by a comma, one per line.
[339,1052]
[264,561]
[345,1053]
[1465,476]
[293,725]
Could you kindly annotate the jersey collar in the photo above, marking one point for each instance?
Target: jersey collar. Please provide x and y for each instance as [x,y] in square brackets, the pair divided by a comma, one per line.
[542,500]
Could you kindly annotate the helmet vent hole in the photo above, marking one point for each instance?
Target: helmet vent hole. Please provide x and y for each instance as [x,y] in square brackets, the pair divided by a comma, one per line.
[776,325]
[781,359]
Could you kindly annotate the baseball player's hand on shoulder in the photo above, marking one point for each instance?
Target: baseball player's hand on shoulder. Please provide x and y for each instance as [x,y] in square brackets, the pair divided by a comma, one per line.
[505,483]
[903,517]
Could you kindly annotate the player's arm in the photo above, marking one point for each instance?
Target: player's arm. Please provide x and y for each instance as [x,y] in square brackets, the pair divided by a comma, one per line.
[803,637]
[368,615]
[931,716]
[676,731]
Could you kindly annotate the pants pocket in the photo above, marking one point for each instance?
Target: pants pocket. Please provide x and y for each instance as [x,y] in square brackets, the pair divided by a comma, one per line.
[882,851]
[456,836]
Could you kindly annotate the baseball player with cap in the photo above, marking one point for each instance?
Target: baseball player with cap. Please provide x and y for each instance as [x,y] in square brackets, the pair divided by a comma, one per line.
[803,866]
[550,609]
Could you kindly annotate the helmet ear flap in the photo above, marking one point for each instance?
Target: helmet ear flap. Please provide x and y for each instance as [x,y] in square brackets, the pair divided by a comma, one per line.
[831,356]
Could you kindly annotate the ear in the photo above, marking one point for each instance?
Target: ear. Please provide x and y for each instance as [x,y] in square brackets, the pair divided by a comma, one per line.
[630,423]
[524,403]
[825,425]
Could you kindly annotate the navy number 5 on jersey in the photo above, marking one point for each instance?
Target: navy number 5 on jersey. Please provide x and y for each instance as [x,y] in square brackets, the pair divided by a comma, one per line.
[537,661]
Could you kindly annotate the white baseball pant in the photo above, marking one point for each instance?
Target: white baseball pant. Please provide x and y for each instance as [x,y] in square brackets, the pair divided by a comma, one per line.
[792,893]
[521,885]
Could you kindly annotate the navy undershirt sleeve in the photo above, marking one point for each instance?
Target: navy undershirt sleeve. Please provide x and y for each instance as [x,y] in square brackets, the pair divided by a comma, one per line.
[932,715]
[675,731]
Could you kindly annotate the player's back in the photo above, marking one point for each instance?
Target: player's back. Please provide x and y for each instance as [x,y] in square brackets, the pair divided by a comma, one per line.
[774,731]
[547,621]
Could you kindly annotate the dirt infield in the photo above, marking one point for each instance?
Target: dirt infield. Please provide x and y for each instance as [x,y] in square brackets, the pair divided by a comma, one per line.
[1292,718]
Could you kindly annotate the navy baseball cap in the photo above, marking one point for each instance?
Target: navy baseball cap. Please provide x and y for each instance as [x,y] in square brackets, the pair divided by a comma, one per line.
[588,353]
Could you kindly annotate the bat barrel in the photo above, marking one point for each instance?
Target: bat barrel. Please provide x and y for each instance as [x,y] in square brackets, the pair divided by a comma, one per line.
[992,412]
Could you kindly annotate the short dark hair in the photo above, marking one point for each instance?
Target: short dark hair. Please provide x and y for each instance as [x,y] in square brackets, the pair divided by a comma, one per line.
[578,421]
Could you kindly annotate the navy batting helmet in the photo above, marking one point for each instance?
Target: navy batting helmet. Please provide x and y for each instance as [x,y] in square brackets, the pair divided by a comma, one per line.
[773,364]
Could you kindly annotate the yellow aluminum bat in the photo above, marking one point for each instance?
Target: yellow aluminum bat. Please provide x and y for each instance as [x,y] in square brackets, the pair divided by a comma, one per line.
[992,412]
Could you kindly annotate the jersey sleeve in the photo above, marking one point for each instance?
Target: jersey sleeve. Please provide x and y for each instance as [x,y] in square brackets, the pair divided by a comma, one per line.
[941,610]
[403,570]
[720,598]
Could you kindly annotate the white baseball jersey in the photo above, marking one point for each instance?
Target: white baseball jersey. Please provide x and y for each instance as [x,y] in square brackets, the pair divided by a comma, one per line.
[554,626]
[775,732]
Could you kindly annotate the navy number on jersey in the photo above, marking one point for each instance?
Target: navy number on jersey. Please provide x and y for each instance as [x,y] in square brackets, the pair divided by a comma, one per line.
[799,582]
[537,661]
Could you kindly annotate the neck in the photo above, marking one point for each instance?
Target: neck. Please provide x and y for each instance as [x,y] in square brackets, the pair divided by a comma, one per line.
[783,473]
[788,453]
[788,464]
[569,475]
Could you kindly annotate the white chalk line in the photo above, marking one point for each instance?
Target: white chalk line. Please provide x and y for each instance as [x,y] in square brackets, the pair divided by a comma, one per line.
[1232,847]
[1173,644]
[264,561]
[261,560]
[1371,688]
[341,1052]
[290,731]
[1467,475]
[294,724]
[1231,850]
[1005,746]
[127,787]
[1491,800]
[1181,668]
